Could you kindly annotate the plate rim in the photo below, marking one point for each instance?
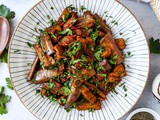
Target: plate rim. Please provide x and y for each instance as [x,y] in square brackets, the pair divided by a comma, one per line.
[12,38]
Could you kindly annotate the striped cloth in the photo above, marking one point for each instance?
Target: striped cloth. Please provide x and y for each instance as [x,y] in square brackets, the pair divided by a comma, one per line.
[155,4]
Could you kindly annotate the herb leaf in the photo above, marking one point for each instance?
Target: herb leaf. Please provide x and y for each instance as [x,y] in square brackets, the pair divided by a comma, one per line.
[154,46]
[98,51]
[3,100]
[69,31]
[66,90]
[4,56]
[5,12]
[9,84]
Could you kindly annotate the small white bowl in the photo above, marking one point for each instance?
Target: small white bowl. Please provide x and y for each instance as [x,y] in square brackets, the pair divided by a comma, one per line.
[155,115]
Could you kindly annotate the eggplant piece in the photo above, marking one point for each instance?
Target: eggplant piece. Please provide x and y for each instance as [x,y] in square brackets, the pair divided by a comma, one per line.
[120,43]
[46,60]
[103,26]
[88,95]
[108,41]
[71,21]
[46,41]
[87,105]
[59,51]
[64,16]
[43,76]
[51,30]
[100,93]
[33,68]
[72,97]
[105,64]
[86,21]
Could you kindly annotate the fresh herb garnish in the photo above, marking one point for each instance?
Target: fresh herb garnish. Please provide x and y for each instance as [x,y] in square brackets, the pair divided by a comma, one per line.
[69,31]
[3,100]
[91,110]
[122,84]
[94,35]
[37,40]
[4,56]
[114,22]
[70,8]
[29,44]
[52,8]
[17,51]
[38,91]
[9,84]
[5,12]
[82,8]
[52,22]
[113,60]
[154,46]
[65,17]
[124,88]
[74,48]
[66,90]
[98,51]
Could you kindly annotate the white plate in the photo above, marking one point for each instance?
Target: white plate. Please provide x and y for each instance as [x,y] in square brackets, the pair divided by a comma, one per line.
[137,66]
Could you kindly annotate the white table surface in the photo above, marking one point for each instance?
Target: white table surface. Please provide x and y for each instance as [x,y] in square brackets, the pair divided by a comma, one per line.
[147,18]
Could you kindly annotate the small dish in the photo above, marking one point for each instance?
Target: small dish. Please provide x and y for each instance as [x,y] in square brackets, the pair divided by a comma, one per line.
[155,115]
[156,87]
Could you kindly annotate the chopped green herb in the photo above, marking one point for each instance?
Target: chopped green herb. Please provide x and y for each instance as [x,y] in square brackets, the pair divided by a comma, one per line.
[65,17]
[52,8]
[29,44]
[154,46]
[81,115]
[37,40]
[125,95]
[70,8]
[91,110]
[120,33]
[69,31]
[74,48]
[107,28]
[38,91]
[9,84]
[17,51]
[82,8]
[4,56]
[100,68]
[37,23]
[66,90]
[124,88]
[94,35]
[114,22]
[48,17]
[5,12]
[52,22]
[98,51]
[122,84]
[62,101]
[3,100]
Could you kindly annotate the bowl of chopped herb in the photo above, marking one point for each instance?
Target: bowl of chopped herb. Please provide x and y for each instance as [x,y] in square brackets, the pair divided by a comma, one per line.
[79,59]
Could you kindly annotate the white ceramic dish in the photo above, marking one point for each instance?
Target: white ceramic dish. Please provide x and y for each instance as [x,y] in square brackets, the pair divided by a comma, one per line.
[137,66]
[155,115]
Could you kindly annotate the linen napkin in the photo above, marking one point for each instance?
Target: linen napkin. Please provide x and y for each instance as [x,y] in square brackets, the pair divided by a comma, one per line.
[155,4]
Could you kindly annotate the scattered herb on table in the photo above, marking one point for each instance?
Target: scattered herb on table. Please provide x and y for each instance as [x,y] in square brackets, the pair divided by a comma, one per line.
[5,12]
[154,46]
[4,99]
[29,44]
[9,84]
[4,56]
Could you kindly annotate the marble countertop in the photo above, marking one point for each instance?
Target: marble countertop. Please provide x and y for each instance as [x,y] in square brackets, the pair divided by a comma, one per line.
[151,26]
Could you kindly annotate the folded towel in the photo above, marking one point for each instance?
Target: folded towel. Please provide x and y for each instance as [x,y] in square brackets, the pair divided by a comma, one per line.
[155,4]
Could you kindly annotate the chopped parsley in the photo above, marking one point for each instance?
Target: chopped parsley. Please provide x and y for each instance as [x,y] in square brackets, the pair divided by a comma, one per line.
[9,84]
[69,31]
[29,44]
[52,8]
[74,48]
[154,46]
[3,100]
[91,110]
[98,51]
[17,51]
[66,90]
[65,17]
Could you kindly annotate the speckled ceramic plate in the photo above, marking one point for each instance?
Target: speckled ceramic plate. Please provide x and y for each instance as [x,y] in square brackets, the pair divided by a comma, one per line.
[137,66]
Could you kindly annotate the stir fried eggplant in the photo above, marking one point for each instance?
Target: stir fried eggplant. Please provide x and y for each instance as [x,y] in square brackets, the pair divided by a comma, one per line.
[78,61]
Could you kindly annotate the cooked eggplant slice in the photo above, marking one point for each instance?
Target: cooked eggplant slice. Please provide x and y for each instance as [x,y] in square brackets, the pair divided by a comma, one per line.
[87,105]
[33,68]
[43,76]
[108,41]
[85,21]
[45,60]
[46,41]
